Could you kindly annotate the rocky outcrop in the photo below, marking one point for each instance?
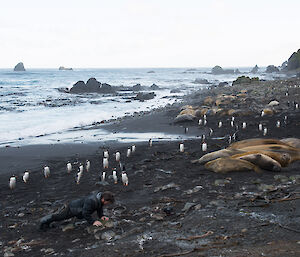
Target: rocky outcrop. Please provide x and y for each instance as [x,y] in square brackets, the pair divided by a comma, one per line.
[294,61]
[19,67]
[223,84]
[271,69]
[254,69]
[64,68]
[245,80]
[218,70]
[137,87]
[144,96]
[92,86]
[201,81]
[154,87]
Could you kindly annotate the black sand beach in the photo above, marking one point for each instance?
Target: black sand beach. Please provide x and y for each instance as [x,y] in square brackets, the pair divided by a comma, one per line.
[171,207]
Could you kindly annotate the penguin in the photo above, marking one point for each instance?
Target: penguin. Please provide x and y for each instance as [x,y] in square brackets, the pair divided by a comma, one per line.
[79,176]
[203,138]
[103,176]
[210,132]
[260,127]
[69,167]
[133,148]
[244,125]
[150,142]
[46,171]
[220,124]
[232,118]
[128,152]
[181,147]
[232,123]
[204,116]
[105,163]
[26,176]
[115,176]
[296,106]
[12,182]
[278,124]
[87,165]
[81,168]
[124,178]
[265,131]
[200,122]
[186,130]
[229,139]
[204,147]
[106,154]
[262,113]
[205,122]
[118,156]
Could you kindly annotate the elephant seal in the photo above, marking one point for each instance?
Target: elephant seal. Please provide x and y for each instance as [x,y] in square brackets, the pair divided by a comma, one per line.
[284,159]
[255,141]
[261,160]
[228,164]
[292,151]
[217,154]
[292,141]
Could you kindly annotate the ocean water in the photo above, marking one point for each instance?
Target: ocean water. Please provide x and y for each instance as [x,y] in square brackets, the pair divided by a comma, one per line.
[34,111]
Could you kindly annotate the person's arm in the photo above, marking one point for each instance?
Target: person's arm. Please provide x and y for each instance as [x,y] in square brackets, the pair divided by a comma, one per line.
[100,214]
[88,210]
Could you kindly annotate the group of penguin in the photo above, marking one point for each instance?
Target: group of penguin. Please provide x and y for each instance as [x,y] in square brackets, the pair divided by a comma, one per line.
[46,170]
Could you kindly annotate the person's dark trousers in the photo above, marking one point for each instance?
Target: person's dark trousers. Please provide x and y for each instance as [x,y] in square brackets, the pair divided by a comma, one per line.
[62,214]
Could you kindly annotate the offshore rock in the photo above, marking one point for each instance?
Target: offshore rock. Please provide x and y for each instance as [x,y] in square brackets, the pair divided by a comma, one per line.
[19,67]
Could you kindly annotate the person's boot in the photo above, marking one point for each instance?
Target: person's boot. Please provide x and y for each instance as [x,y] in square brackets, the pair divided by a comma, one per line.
[45,222]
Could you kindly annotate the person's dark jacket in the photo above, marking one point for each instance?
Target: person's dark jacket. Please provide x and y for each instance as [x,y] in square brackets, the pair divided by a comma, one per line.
[86,206]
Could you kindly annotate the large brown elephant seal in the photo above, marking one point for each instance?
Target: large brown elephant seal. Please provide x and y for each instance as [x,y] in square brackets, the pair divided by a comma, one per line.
[255,141]
[284,159]
[292,151]
[261,160]
[217,154]
[292,141]
[228,164]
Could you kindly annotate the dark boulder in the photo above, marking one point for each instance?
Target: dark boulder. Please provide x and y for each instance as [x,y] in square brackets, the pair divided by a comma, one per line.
[78,87]
[151,71]
[106,88]
[201,81]
[154,87]
[223,84]
[245,80]
[92,85]
[137,87]
[144,96]
[19,67]
[271,69]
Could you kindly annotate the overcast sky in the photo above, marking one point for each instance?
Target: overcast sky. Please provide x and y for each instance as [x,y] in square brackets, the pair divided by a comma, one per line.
[148,33]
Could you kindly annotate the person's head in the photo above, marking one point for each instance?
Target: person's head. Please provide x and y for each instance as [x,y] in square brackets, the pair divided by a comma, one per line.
[107,197]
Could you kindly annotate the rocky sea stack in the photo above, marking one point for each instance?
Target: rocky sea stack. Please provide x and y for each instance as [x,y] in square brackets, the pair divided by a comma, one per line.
[19,67]
[217,70]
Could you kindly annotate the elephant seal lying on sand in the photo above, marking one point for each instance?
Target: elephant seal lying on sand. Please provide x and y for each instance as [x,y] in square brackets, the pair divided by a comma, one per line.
[283,159]
[292,151]
[228,164]
[292,141]
[261,160]
[256,142]
[217,154]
